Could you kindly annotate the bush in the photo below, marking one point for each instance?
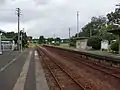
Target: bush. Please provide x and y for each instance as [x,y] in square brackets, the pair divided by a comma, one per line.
[72,42]
[115,46]
[57,44]
[94,42]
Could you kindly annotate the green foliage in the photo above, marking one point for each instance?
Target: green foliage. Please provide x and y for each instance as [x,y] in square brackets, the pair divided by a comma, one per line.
[97,27]
[57,40]
[111,27]
[56,44]
[95,42]
[114,17]
[72,42]
[94,27]
[115,46]
[14,36]
[49,40]
[10,34]
[41,40]
[65,41]
[35,41]
[108,36]
[24,39]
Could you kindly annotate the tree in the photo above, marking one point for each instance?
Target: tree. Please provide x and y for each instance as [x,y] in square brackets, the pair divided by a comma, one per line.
[95,42]
[94,27]
[115,46]
[97,27]
[41,40]
[14,36]
[106,35]
[9,34]
[72,41]
[81,34]
[113,22]
[24,39]
[114,17]
[50,40]
[57,41]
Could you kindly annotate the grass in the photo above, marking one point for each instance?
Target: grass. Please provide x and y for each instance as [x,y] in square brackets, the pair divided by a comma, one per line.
[64,45]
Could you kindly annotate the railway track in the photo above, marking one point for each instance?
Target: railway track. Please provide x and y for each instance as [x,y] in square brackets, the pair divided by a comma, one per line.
[64,79]
[101,68]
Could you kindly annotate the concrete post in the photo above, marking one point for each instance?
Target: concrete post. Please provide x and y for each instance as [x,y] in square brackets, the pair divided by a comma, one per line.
[13,45]
[21,42]
[0,44]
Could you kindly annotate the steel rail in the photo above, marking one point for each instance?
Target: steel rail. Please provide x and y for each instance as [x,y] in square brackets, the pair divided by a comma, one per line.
[76,81]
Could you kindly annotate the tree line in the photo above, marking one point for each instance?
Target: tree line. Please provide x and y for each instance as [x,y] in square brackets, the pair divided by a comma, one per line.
[55,41]
[14,36]
[96,30]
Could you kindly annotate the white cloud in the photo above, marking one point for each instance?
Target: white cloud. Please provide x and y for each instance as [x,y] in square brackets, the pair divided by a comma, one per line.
[51,17]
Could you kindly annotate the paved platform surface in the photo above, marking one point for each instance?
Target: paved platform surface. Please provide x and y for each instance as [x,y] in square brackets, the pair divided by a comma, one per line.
[116,56]
[22,71]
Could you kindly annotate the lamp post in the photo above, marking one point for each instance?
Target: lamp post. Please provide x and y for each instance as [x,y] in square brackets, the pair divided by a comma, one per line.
[77,23]
[21,40]
[0,44]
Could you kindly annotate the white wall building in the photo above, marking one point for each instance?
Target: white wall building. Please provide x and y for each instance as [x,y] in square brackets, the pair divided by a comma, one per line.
[81,43]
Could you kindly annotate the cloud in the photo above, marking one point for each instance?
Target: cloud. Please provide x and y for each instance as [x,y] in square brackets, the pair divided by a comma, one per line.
[51,17]
[2,1]
[42,2]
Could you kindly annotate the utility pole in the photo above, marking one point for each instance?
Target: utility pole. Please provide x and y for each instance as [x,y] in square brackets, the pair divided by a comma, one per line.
[0,43]
[18,14]
[69,37]
[77,23]
[21,41]
[69,33]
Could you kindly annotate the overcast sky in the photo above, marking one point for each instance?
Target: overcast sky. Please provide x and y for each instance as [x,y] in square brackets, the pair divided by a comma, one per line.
[51,17]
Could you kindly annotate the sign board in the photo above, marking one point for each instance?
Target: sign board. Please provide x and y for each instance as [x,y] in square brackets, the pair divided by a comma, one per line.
[104,44]
[81,44]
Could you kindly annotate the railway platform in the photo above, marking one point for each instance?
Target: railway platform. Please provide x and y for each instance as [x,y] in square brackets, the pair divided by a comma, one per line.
[101,53]
[22,71]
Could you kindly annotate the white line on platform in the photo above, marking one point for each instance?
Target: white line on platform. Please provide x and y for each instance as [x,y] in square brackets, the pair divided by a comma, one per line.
[41,83]
[3,68]
[8,64]
[21,80]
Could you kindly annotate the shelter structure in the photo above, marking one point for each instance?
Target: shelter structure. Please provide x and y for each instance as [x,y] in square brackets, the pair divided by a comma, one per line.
[81,42]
